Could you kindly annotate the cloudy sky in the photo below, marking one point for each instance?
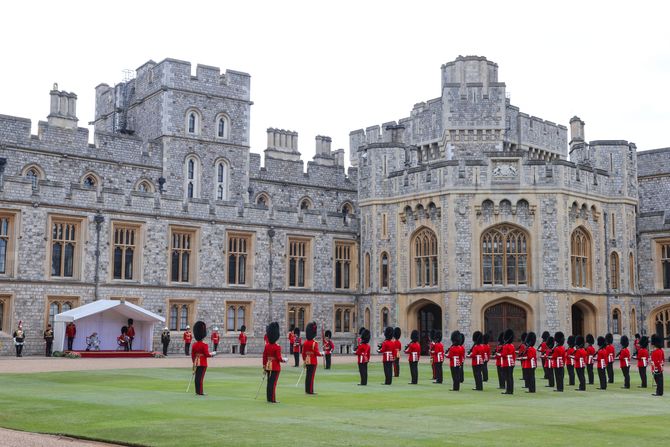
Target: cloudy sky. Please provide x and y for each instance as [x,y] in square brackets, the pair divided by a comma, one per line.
[327,68]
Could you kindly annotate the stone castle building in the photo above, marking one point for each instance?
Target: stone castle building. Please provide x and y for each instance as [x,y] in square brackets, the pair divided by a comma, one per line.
[468,214]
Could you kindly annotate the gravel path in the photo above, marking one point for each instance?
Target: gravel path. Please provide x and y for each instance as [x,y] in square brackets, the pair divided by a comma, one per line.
[14,438]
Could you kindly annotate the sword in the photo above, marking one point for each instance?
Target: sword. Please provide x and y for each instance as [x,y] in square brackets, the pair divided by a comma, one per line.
[260,385]
[190,381]
[300,376]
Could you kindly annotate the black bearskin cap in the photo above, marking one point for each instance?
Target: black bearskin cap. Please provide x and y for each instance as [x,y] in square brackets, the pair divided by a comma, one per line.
[501,338]
[531,338]
[637,336]
[396,333]
[310,331]
[296,332]
[388,333]
[571,341]
[455,338]
[523,336]
[199,330]
[272,331]
[477,337]
[559,338]
[550,342]
[243,328]
[438,336]
[644,341]
[579,341]
[431,336]
[545,335]
[589,339]
[509,336]
[130,321]
[609,338]
[124,329]
[365,336]
[601,341]
[656,341]
[360,331]
[461,340]
[487,338]
[330,334]
[415,336]
[624,341]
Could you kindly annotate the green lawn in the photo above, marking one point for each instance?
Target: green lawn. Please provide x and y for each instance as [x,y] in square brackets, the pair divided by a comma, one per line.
[150,407]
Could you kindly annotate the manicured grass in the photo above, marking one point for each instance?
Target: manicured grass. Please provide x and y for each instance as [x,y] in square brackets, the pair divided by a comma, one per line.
[150,407]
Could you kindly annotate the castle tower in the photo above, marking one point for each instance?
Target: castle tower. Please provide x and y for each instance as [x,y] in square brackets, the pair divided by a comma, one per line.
[63,110]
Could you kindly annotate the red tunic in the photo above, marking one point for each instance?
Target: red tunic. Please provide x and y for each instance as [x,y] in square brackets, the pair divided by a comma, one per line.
[580,358]
[590,354]
[477,355]
[601,358]
[499,361]
[297,341]
[530,358]
[397,347]
[199,353]
[636,344]
[610,353]
[215,338]
[624,358]
[131,332]
[642,357]
[363,353]
[570,356]
[521,351]
[272,358]
[486,351]
[70,331]
[291,339]
[657,358]
[387,351]
[543,353]
[242,338]
[265,339]
[438,353]
[413,352]
[310,351]
[329,346]
[188,337]
[558,357]
[455,354]
[508,355]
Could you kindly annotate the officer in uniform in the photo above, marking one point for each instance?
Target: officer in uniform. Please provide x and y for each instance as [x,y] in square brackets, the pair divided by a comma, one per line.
[454,356]
[501,376]
[216,338]
[529,362]
[590,357]
[272,360]
[558,360]
[165,339]
[19,337]
[438,357]
[609,339]
[543,354]
[310,352]
[624,361]
[130,334]
[329,346]
[188,337]
[580,357]
[508,361]
[49,339]
[570,360]
[70,333]
[243,339]
[657,359]
[396,351]
[387,350]
[601,362]
[477,356]
[362,356]
[643,360]
[297,343]
[199,355]
[487,356]
[413,351]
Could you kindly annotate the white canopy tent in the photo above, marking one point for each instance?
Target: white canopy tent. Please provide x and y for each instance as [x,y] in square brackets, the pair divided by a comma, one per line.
[106,317]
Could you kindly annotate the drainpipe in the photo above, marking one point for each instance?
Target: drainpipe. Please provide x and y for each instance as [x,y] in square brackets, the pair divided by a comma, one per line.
[271,235]
[98,219]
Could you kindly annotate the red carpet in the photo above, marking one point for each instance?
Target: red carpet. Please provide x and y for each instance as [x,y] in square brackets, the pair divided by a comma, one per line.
[113,354]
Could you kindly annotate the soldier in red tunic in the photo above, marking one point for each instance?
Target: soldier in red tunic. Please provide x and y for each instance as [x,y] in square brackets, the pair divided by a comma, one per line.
[397,347]
[570,360]
[508,361]
[454,356]
[520,351]
[609,338]
[636,344]
[601,362]
[558,360]
[272,360]
[413,351]
[130,334]
[329,347]
[543,355]
[590,357]
[70,333]
[477,357]
[549,361]
[579,359]
[501,376]
[643,360]
[438,357]
[624,361]
[122,340]
[363,356]
[297,343]
[487,356]
[215,338]
[310,352]
[657,359]
[431,339]
[188,337]
[199,355]
[243,339]
[291,338]
[387,350]
[529,362]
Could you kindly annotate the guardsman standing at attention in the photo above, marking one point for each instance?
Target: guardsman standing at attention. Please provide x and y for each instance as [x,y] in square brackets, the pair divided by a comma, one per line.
[477,356]
[601,362]
[643,360]
[329,347]
[438,357]
[188,337]
[520,352]
[590,357]
[508,361]
[49,339]
[570,360]
[387,350]
[624,361]
[487,357]
[501,376]
[19,336]
[216,338]
[272,360]
[396,351]
[454,356]
[310,352]
[165,340]
[363,356]
[413,351]
[543,355]
[580,362]
[291,339]
[636,344]
[549,346]
[130,334]
[657,359]
[297,343]
[431,337]
[529,362]
[609,338]
[199,355]
[558,360]
[243,339]
[70,333]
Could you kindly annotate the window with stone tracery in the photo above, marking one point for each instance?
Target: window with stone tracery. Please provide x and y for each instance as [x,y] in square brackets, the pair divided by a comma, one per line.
[424,259]
[580,258]
[505,252]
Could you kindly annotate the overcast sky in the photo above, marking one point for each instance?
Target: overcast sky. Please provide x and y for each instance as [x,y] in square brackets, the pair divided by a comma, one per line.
[327,68]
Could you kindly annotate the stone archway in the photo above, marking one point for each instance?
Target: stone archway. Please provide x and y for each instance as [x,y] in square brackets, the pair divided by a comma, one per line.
[503,315]
[660,323]
[424,316]
[583,316]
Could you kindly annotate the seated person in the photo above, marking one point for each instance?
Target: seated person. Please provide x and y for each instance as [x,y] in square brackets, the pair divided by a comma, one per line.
[93,342]
[123,340]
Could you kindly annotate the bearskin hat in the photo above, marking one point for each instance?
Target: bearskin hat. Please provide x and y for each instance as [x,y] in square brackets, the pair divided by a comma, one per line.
[431,335]
[550,342]
[509,336]
[531,338]
[545,335]
[571,341]
[365,336]
[396,333]
[601,341]
[388,333]
[657,341]
[609,338]
[360,331]
[523,336]
[487,338]
[199,330]
[579,341]
[330,334]
[559,338]
[644,341]
[501,338]
[624,341]
[461,340]
[243,328]
[589,339]
[455,338]
[637,336]
[477,337]
[438,336]
[296,331]
[124,330]
[130,321]
[310,331]
[272,331]
[414,336]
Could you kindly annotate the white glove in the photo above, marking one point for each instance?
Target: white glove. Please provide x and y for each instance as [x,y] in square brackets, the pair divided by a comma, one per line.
[213,353]
[321,353]
[284,359]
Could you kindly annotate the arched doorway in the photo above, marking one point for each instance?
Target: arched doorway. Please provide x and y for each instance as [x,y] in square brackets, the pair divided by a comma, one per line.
[583,318]
[430,318]
[661,324]
[502,316]
[577,320]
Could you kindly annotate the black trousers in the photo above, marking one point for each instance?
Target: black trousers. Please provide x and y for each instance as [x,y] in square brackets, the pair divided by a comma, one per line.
[551,377]
[559,375]
[610,372]
[70,340]
[477,372]
[309,380]
[658,378]
[643,376]
[363,371]
[602,377]
[165,348]
[439,375]
[130,343]
[216,347]
[456,377]
[243,349]
[580,377]
[501,378]
[48,349]
[508,372]
[529,378]
[396,367]
[296,359]
[200,379]
[571,375]
[388,373]
[187,348]
[462,373]
[414,371]
[485,372]
[328,356]
[271,390]
[589,372]
[547,372]
[626,376]
[19,350]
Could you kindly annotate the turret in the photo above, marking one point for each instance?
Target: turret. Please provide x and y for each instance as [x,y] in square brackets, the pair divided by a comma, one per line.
[63,110]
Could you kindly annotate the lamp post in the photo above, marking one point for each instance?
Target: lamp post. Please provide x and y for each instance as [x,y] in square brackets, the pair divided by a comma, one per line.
[98,219]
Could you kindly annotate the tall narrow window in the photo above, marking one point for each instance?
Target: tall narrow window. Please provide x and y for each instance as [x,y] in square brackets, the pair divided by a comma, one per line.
[580,258]
[239,248]
[505,256]
[125,246]
[236,316]
[613,225]
[385,229]
[221,128]
[424,254]
[90,182]
[631,271]
[385,317]
[344,319]
[221,180]
[344,260]
[181,255]
[5,301]
[367,271]
[5,244]
[298,262]
[180,315]
[616,321]
[59,304]
[192,122]
[614,271]
[366,316]
[64,248]
[190,178]
[665,265]
[384,270]
[298,314]
[33,176]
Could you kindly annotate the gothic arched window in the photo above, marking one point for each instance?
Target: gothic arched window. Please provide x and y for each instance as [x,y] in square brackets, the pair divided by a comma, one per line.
[580,258]
[424,259]
[505,256]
